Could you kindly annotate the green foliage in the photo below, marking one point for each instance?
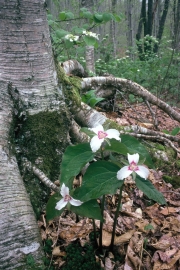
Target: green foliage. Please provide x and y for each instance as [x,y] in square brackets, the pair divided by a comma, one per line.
[99,179]
[148,227]
[91,99]
[134,146]
[149,190]
[71,42]
[74,159]
[174,132]
[158,72]
[80,258]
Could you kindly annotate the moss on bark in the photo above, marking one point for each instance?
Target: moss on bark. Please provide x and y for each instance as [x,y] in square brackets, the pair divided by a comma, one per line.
[42,140]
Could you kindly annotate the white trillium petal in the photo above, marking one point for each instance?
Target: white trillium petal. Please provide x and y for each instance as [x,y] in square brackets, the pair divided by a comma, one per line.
[142,172]
[97,129]
[75,202]
[133,158]
[113,134]
[60,204]
[95,143]
[64,190]
[123,173]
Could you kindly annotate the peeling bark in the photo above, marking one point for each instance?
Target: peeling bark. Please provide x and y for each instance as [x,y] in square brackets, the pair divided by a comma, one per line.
[26,60]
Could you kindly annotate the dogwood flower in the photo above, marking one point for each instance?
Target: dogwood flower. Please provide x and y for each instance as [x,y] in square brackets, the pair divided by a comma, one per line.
[91,34]
[66,198]
[71,37]
[132,167]
[102,135]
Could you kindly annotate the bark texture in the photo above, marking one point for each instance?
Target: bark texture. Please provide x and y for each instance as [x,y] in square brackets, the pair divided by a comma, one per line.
[19,234]
[41,125]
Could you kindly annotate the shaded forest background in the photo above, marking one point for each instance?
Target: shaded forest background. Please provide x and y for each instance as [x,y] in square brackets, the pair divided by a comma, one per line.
[143,46]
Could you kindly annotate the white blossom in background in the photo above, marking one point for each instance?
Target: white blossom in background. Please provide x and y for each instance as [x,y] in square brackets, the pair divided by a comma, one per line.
[66,198]
[91,34]
[102,135]
[71,37]
[132,167]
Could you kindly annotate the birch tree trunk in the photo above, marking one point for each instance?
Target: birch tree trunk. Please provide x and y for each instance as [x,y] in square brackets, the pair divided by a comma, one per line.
[26,61]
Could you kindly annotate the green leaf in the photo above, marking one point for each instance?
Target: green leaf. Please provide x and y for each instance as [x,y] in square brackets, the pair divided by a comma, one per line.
[175,131]
[98,18]
[107,17]
[62,15]
[87,15]
[50,17]
[116,18]
[134,146]
[88,209]
[93,101]
[61,33]
[117,147]
[51,212]
[149,190]
[99,179]
[86,130]
[69,15]
[90,41]
[68,43]
[74,159]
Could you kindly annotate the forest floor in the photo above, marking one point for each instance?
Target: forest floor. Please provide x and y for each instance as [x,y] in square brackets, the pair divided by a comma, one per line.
[147,234]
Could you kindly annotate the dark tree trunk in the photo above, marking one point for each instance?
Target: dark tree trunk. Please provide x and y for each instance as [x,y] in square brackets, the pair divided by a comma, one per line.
[161,24]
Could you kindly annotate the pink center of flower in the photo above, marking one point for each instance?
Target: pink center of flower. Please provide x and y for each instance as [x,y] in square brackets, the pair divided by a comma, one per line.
[102,134]
[133,166]
[67,198]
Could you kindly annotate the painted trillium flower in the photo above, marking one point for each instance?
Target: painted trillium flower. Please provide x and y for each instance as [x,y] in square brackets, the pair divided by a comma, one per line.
[66,198]
[102,135]
[133,167]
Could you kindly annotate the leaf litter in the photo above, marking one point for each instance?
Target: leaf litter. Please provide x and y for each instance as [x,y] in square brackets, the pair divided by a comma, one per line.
[147,234]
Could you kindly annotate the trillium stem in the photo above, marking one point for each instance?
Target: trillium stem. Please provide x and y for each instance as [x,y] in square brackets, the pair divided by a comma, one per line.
[102,212]
[115,219]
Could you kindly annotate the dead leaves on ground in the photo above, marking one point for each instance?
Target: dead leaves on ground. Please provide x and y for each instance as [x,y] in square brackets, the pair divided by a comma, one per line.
[147,236]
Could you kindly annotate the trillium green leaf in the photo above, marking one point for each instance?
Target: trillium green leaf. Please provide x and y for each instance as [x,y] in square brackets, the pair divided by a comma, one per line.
[88,209]
[99,179]
[90,133]
[117,147]
[74,159]
[134,146]
[149,190]
[51,212]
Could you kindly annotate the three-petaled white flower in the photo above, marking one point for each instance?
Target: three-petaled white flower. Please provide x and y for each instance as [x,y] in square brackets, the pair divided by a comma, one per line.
[102,135]
[133,167]
[66,198]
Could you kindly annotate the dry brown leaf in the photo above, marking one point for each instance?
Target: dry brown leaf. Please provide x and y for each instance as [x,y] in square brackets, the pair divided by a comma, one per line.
[141,225]
[109,265]
[57,252]
[78,230]
[166,266]
[169,210]
[124,238]
[133,255]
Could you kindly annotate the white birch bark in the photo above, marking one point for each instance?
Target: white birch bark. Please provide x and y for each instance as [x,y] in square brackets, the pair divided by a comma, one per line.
[26,61]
